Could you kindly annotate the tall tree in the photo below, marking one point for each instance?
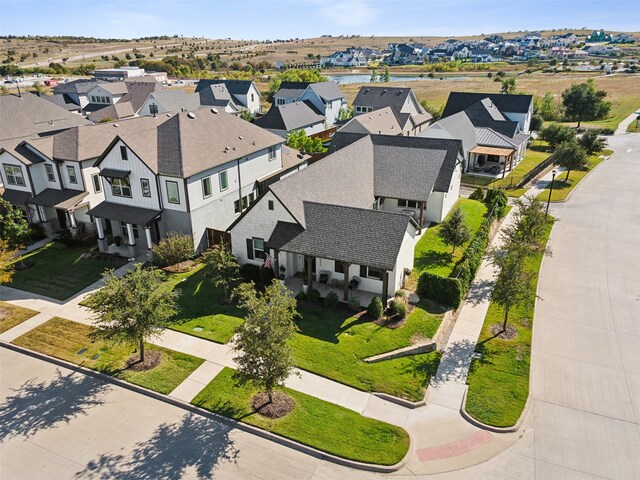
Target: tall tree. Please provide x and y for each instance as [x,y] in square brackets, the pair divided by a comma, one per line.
[528,227]
[583,102]
[374,75]
[571,156]
[223,266]
[7,257]
[454,230]
[13,226]
[264,355]
[132,308]
[592,142]
[555,134]
[387,75]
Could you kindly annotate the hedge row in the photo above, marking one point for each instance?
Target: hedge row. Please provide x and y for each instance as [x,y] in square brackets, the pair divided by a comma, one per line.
[444,290]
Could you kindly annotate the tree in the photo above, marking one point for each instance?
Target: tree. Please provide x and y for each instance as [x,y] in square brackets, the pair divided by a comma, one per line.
[508,86]
[223,266]
[374,75]
[583,102]
[299,140]
[555,134]
[246,115]
[571,156]
[387,75]
[592,142]
[3,90]
[37,88]
[132,308]
[454,230]
[436,112]
[548,107]
[7,257]
[262,341]
[345,113]
[13,226]
[536,123]
[528,227]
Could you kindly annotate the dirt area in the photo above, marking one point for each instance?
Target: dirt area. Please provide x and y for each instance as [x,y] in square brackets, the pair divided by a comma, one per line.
[509,334]
[278,408]
[4,313]
[151,360]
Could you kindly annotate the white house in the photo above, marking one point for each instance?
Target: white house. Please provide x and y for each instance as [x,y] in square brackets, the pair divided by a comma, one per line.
[244,93]
[326,97]
[282,119]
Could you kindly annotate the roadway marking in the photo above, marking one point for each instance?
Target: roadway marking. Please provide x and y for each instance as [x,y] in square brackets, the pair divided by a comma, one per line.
[456,448]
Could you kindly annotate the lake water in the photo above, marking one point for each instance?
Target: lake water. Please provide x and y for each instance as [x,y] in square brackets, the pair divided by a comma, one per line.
[345,78]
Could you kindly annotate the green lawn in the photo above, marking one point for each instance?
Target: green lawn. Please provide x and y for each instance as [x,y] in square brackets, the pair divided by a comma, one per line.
[59,271]
[562,188]
[499,381]
[333,344]
[201,310]
[63,339]
[319,424]
[16,317]
[432,255]
[633,127]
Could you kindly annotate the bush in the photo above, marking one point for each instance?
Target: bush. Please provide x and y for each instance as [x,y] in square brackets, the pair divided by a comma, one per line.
[478,194]
[375,309]
[399,294]
[174,248]
[400,309]
[496,201]
[265,275]
[313,295]
[354,304]
[332,300]
[444,290]
[250,273]
[607,131]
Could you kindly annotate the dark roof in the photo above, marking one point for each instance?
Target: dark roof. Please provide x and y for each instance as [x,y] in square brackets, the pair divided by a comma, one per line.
[283,233]
[65,199]
[21,152]
[80,86]
[124,213]
[235,87]
[380,97]
[459,101]
[16,197]
[342,139]
[114,173]
[359,236]
[138,90]
[292,116]
[327,90]
[64,101]
[291,89]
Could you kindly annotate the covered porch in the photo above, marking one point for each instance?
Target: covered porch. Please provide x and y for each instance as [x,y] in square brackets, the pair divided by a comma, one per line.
[296,285]
[56,210]
[493,161]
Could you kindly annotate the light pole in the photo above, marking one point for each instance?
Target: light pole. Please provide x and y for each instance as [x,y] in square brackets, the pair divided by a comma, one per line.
[553,178]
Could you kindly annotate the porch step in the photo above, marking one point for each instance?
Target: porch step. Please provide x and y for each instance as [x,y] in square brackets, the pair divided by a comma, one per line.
[403,352]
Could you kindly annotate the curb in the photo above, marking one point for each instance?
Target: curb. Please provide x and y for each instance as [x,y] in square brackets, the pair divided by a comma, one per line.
[581,180]
[400,401]
[214,416]
[484,426]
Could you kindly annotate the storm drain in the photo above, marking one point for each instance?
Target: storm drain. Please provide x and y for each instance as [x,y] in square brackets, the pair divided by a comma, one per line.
[96,356]
[81,351]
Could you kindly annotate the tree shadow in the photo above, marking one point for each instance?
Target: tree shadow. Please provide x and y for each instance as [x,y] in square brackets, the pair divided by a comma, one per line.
[480,291]
[36,406]
[325,324]
[431,258]
[192,443]
[454,363]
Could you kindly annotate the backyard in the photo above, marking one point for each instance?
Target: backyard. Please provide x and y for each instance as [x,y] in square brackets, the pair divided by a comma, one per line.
[70,341]
[12,315]
[319,424]
[59,271]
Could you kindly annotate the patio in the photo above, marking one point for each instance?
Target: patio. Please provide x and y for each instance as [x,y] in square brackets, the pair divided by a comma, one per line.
[295,285]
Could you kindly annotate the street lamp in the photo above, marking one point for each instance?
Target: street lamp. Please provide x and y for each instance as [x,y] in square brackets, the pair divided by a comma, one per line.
[553,178]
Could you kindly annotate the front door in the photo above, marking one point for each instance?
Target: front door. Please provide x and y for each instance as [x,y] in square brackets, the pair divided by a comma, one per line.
[62,218]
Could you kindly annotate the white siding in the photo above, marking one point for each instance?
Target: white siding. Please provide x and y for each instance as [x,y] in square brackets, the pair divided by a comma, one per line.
[64,172]
[8,159]
[39,177]
[404,260]
[182,206]
[88,170]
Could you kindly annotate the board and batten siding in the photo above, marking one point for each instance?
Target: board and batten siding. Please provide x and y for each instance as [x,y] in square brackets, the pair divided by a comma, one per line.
[7,159]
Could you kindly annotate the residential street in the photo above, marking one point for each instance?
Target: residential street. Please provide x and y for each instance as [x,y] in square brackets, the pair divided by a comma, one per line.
[585,380]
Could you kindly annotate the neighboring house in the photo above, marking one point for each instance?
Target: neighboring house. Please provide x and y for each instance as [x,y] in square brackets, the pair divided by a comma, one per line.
[192,172]
[354,215]
[118,74]
[103,94]
[481,56]
[383,122]
[411,116]
[622,38]
[179,100]
[118,111]
[351,57]
[282,119]
[599,36]
[327,98]
[289,92]
[64,101]
[607,50]
[76,90]
[405,54]
[244,93]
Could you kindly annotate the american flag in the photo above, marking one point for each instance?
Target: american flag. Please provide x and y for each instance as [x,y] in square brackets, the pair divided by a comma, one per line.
[267,261]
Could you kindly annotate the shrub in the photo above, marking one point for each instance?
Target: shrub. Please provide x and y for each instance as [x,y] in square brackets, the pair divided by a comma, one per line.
[375,309]
[250,272]
[354,304]
[607,131]
[444,290]
[477,194]
[265,275]
[174,248]
[399,294]
[496,201]
[332,300]
[400,309]
[313,295]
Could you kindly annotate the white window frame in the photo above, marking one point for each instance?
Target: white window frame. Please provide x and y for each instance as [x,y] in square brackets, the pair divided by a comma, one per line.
[172,183]
[71,173]
[97,183]
[120,187]
[15,178]
[257,253]
[125,232]
[51,176]
[145,186]
[272,154]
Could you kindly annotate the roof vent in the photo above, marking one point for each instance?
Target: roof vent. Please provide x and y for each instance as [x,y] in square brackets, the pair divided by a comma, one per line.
[214,110]
[116,125]
[240,137]
[191,115]
[226,149]
[253,143]
[384,91]
[168,114]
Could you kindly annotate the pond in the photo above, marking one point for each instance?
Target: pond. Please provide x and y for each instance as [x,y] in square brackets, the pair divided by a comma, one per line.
[346,78]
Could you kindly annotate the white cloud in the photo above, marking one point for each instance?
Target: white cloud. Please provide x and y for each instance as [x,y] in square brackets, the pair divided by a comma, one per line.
[347,13]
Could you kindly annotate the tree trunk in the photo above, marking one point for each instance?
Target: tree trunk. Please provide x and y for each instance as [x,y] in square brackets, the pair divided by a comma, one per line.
[141,350]
[454,250]
[578,124]
[270,395]
[506,319]
[566,179]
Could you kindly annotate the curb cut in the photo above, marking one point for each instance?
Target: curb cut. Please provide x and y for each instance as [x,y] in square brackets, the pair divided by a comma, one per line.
[490,428]
[214,416]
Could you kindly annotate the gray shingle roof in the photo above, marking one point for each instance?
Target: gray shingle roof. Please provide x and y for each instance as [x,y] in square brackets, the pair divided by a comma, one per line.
[356,235]
[124,213]
[138,91]
[381,121]
[64,101]
[116,111]
[79,86]
[283,233]
[177,100]
[327,90]
[65,199]
[290,90]
[380,97]
[292,116]
[459,101]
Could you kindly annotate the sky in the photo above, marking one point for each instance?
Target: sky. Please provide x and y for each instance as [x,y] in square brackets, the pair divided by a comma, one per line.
[283,19]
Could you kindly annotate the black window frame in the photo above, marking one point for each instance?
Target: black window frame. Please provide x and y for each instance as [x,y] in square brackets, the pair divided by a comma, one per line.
[116,184]
[224,174]
[97,183]
[146,181]
[270,205]
[51,176]
[71,173]
[206,184]
[124,154]
[338,267]
[365,272]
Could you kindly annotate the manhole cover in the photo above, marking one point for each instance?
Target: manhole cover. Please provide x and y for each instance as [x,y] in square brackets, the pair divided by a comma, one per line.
[81,351]
[198,329]
[96,356]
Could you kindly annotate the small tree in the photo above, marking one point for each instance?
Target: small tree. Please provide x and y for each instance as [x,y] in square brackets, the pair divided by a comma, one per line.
[454,230]
[375,309]
[7,257]
[223,266]
[262,341]
[345,113]
[536,123]
[37,88]
[555,134]
[13,226]
[387,75]
[591,142]
[571,156]
[132,308]
[508,86]
[528,227]
[374,75]
[583,102]
[246,115]
[174,248]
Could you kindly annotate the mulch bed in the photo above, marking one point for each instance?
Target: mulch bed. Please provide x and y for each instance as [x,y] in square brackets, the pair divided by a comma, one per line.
[391,322]
[182,267]
[22,265]
[509,334]
[278,408]
[5,313]
[151,360]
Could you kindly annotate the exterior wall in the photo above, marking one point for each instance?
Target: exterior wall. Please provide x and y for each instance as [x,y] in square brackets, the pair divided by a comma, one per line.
[88,170]
[101,92]
[39,177]
[182,206]
[7,159]
[309,130]
[391,205]
[404,261]
[331,113]
[145,110]
[65,176]
[253,105]
[523,119]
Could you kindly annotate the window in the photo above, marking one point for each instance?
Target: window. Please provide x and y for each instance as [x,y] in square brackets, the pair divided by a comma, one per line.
[14,175]
[408,203]
[146,187]
[270,204]
[258,248]
[123,153]
[50,176]
[246,202]
[120,187]
[370,272]
[97,184]
[173,195]
[224,180]
[93,99]
[338,267]
[280,101]
[72,174]
[206,187]
[125,234]
[272,153]
[252,97]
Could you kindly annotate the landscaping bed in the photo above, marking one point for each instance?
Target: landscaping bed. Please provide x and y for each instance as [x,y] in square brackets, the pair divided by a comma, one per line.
[499,380]
[12,315]
[70,341]
[59,271]
[314,422]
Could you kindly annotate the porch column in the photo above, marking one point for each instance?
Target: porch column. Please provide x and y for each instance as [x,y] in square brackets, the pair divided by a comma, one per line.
[276,263]
[504,167]
[103,244]
[310,260]
[132,240]
[345,268]
[421,216]
[385,287]
[41,214]
[511,162]
[72,218]
[147,233]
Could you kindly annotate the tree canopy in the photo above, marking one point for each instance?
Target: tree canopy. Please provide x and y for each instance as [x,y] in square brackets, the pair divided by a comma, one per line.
[454,231]
[223,266]
[571,156]
[555,134]
[592,142]
[13,225]
[582,101]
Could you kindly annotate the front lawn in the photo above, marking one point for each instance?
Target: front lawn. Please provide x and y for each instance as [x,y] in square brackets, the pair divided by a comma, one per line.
[66,340]
[499,380]
[562,188]
[432,255]
[59,271]
[333,344]
[319,424]
[633,127]
[12,315]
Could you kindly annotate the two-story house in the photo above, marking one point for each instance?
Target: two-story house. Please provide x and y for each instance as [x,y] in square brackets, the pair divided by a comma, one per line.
[325,96]
[244,93]
[192,172]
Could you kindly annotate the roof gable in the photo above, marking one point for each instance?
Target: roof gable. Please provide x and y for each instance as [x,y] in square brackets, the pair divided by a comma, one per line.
[459,101]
